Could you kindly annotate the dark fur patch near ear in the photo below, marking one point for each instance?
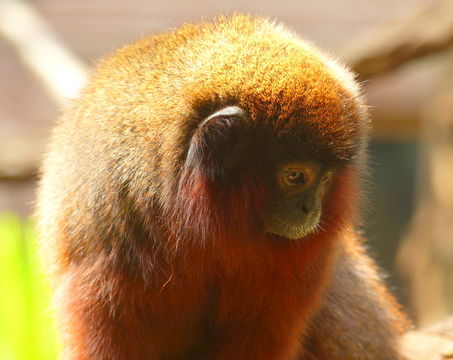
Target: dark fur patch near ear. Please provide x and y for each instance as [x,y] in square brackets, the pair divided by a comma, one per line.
[218,143]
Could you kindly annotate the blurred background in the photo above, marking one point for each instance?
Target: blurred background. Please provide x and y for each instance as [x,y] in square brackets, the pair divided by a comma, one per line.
[402,51]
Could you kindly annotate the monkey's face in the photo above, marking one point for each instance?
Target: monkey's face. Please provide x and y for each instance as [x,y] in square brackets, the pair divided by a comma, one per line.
[251,179]
[295,209]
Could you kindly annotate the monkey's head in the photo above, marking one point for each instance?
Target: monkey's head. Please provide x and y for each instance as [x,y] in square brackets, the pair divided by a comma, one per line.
[236,128]
[275,134]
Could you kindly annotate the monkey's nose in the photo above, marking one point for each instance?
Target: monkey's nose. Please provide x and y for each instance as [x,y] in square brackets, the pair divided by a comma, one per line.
[301,205]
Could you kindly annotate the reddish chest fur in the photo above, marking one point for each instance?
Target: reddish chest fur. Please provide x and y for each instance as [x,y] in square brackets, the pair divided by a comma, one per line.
[251,280]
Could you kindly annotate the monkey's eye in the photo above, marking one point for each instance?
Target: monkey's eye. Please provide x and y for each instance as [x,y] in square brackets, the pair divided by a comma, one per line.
[298,176]
[295,177]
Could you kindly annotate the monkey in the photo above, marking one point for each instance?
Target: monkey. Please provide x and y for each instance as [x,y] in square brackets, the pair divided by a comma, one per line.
[200,200]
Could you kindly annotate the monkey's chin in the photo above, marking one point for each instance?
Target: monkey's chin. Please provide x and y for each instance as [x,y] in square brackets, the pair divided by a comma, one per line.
[293,231]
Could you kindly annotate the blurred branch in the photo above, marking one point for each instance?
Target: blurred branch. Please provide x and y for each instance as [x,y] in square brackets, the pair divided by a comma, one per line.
[40,49]
[19,157]
[55,66]
[426,255]
[434,343]
[428,31]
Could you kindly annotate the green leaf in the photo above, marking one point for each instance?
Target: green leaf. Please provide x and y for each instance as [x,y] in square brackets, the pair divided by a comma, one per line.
[27,329]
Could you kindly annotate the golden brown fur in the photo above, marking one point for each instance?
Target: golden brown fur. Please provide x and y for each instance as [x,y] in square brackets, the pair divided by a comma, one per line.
[153,260]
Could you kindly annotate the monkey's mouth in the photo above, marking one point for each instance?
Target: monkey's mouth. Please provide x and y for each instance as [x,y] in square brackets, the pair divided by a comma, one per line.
[294,231]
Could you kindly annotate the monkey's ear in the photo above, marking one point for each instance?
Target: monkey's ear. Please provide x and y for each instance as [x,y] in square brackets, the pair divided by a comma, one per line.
[218,143]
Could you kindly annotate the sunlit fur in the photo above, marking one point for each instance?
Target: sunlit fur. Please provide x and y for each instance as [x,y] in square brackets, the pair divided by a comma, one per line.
[154,235]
